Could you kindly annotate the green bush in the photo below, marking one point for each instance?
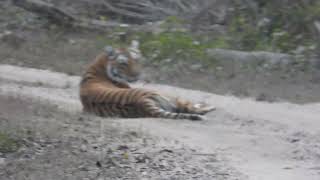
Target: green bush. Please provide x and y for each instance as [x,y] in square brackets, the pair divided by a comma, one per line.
[8,144]
[290,26]
[275,26]
[175,45]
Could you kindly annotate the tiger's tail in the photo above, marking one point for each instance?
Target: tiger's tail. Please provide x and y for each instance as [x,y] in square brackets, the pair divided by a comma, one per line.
[172,115]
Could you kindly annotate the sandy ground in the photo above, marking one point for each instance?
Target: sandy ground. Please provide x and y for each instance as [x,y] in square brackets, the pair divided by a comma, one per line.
[248,139]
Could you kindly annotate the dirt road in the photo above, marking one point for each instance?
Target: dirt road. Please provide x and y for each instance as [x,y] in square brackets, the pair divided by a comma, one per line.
[257,140]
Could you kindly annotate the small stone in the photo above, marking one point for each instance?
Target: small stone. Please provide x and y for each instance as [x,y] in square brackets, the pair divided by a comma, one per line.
[26,156]
[98,164]
[123,147]
[196,42]
[124,25]
[263,22]
[300,50]
[133,133]
[83,148]
[5,33]
[219,68]
[196,66]
[261,97]
[155,55]
[266,65]
[142,159]
[71,41]
[2,161]
[294,140]
[11,39]
[163,164]
[317,25]
[168,60]
[125,155]
[264,97]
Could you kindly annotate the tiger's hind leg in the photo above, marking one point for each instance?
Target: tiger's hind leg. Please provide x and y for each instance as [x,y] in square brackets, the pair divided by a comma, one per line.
[159,106]
[184,106]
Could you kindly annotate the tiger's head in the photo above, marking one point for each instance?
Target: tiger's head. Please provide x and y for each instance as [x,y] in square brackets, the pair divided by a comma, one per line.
[123,65]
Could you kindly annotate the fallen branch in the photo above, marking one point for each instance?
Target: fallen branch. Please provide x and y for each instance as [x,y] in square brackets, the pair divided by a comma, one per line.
[59,16]
[142,11]
[52,13]
[126,13]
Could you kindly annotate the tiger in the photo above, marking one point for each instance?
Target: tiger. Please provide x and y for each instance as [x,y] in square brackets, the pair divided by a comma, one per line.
[105,90]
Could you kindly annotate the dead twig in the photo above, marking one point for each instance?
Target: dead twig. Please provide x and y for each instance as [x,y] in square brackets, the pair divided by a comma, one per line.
[52,13]
[61,17]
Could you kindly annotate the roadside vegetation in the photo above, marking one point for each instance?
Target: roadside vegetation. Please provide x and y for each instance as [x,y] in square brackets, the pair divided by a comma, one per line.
[274,27]
[8,144]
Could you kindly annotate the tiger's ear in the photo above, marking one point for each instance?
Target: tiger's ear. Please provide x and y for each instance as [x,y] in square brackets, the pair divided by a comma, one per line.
[109,50]
[134,44]
[134,50]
